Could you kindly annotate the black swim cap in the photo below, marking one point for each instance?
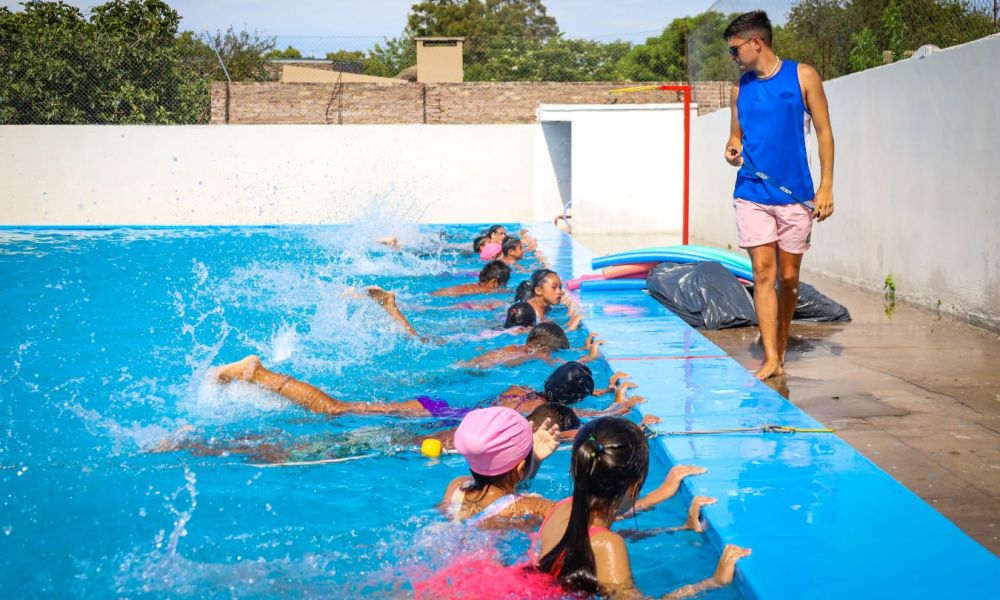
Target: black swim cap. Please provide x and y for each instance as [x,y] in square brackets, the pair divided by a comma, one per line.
[569,383]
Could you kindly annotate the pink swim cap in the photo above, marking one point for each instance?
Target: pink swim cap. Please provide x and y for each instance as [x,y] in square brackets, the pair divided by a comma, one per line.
[490,251]
[493,440]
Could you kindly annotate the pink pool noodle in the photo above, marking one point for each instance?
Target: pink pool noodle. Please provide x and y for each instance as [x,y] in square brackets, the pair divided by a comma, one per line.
[619,271]
[636,271]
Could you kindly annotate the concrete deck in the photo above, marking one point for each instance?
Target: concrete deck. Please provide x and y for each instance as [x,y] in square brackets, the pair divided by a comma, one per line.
[916,393]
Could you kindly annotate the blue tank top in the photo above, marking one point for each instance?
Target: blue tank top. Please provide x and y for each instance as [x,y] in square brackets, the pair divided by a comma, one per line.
[773,118]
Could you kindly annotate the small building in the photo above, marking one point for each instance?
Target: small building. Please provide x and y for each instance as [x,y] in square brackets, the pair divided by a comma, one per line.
[439,60]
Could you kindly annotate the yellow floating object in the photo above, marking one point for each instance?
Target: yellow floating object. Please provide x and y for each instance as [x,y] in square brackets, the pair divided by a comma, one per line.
[431,448]
[638,88]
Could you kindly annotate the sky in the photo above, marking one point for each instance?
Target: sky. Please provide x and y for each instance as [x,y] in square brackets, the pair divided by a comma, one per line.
[318,26]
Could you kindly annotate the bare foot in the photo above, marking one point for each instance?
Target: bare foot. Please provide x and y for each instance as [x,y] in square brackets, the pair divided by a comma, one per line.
[391,242]
[383,297]
[171,443]
[768,370]
[241,370]
[694,512]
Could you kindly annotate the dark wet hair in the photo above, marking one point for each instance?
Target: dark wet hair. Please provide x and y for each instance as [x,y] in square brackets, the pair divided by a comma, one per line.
[510,244]
[495,269]
[494,229]
[750,25]
[538,276]
[481,483]
[524,291]
[569,383]
[478,242]
[520,314]
[548,335]
[560,414]
[610,455]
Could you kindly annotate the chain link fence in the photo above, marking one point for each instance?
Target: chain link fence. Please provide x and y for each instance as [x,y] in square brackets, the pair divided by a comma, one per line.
[127,62]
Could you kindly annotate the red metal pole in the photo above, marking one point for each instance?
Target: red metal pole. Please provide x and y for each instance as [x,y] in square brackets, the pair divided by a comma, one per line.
[687,161]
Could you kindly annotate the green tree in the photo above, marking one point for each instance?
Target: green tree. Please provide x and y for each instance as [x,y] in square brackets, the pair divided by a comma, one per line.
[864,53]
[395,55]
[357,55]
[826,33]
[688,46]
[244,53]
[288,53]
[120,66]
[527,19]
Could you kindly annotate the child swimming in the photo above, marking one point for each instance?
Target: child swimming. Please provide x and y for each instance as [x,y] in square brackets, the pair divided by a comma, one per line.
[609,465]
[502,453]
[276,447]
[492,279]
[542,291]
[566,385]
[544,339]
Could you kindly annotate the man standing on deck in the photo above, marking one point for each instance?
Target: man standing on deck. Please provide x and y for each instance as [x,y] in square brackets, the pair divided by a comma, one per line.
[772,106]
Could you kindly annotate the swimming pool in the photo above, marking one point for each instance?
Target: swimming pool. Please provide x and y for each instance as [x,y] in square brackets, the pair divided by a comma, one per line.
[110,333]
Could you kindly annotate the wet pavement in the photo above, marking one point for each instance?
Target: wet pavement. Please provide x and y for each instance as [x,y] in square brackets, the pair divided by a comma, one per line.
[915,392]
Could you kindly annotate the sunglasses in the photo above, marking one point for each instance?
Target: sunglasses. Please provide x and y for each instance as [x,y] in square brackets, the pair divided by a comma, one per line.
[734,50]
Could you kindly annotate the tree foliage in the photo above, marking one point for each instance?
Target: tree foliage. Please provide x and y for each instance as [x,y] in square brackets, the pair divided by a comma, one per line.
[828,33]
[288,53]
[119,66]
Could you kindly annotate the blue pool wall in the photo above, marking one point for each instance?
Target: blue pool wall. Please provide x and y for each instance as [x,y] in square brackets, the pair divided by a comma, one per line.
[822,520]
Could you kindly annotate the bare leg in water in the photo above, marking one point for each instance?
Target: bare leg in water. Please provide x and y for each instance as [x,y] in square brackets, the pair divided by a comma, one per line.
[388,301]
[307,396]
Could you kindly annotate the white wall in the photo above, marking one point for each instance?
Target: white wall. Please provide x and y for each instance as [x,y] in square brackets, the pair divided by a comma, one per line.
[916,185]
[243,174]
[627,166]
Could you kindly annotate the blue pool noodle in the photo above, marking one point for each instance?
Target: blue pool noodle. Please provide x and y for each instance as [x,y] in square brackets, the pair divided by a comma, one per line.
[737,265]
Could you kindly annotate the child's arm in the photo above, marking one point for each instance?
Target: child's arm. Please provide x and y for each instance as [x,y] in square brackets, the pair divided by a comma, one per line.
[723,574]
[615,408]
[667,489]
[593,354]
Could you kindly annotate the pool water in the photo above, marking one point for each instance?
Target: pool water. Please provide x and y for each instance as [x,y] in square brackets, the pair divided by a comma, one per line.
[109,335]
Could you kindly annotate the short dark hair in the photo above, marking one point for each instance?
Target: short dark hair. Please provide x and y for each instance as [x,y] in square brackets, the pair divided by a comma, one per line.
[494,229]
[548,335]
[520,314]
[561,415]
[510,244]
[495,269]
[750,25]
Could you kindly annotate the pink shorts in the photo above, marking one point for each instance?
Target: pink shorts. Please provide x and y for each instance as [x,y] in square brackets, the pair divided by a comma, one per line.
[788,224]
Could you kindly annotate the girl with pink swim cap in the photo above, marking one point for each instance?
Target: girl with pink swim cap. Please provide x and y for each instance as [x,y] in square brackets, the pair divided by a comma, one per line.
[502,452]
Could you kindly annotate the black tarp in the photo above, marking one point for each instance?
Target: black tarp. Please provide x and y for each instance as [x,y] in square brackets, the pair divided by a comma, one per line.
[708,296]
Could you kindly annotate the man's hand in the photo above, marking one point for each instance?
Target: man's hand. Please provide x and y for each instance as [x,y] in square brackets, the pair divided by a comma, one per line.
[734,156]
[824,203]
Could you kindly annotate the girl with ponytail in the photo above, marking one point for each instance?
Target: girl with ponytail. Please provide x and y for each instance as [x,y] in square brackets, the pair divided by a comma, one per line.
[609,465]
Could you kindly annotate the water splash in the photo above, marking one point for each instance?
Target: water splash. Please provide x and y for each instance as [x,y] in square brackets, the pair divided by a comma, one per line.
[356,251]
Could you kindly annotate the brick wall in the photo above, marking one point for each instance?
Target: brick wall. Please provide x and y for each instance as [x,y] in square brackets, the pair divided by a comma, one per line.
[472,103]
